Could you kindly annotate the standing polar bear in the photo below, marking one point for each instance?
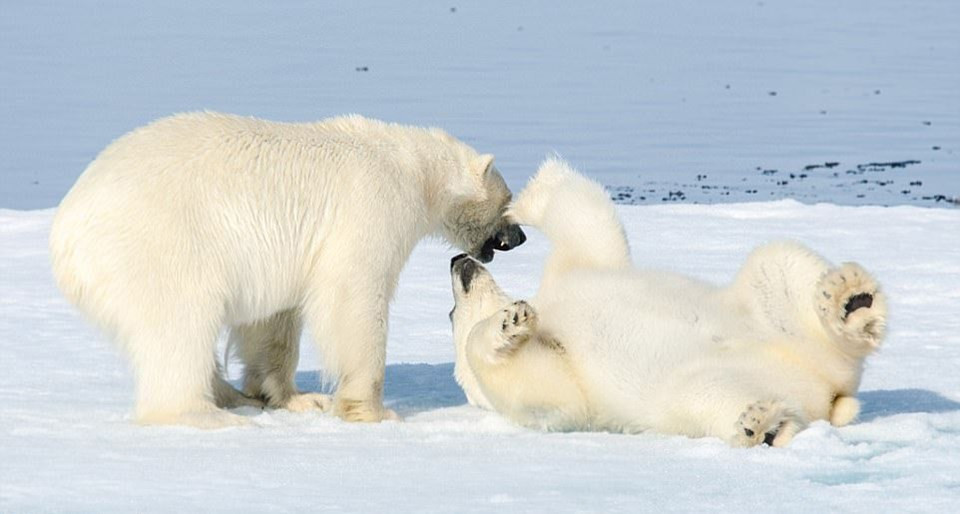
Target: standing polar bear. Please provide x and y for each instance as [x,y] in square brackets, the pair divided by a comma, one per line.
[203,220]
[604,346]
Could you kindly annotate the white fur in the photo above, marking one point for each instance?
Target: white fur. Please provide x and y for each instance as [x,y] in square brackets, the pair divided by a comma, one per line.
[606,346]
[202,220]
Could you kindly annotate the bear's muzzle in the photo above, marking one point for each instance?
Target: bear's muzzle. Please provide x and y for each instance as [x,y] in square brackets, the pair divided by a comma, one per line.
[464,268]
[507,238]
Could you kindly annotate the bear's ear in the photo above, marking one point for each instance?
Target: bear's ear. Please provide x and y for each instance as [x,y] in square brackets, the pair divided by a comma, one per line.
[483,164]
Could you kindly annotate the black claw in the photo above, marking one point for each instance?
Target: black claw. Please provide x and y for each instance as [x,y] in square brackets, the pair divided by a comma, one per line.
[769,437]
[857,301]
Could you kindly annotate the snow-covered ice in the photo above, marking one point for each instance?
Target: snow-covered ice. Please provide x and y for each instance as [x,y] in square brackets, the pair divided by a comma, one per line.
[67,442]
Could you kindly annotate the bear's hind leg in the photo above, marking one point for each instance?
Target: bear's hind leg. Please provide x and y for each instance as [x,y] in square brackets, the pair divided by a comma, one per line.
[777,284]
[227,397]
[852,308]
[174,364]
[717,397]
[270,351]
[769,422]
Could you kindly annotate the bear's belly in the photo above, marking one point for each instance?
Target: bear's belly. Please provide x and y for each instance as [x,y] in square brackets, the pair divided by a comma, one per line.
[250,305]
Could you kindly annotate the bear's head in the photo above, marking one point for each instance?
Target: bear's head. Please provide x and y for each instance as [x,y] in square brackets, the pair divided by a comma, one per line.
[477,298]
[476,295]
[475,221]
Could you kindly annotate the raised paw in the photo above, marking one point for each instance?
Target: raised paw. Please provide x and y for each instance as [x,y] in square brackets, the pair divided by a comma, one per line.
[767,422]
[517,323]
[853,308]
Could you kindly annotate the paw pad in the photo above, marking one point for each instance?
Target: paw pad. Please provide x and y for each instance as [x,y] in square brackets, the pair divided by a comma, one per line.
[769,437]
[766,422]
[852,308]
[858,301]
[517,322]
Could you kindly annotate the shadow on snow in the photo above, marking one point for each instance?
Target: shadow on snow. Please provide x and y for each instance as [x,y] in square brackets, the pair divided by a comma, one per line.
[888,402]
[409,388]
[412,388]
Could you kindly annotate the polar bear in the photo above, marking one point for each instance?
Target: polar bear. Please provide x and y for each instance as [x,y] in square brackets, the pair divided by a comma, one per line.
[201,221]
[605,346]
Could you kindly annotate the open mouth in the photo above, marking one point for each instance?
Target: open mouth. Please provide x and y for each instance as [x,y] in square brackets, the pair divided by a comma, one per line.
[486,251]
[504,240]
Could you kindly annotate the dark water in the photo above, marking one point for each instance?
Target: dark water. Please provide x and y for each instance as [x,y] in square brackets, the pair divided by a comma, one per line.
[646,97]
[871,183]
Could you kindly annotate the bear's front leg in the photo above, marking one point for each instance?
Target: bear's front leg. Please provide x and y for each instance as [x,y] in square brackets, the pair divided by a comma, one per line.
[351,332]
[503,333]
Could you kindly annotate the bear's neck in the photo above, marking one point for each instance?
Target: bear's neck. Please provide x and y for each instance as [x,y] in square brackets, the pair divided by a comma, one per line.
[439,165]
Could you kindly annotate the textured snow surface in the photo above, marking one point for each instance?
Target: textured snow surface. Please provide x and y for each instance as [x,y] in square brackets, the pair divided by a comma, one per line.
[67,443]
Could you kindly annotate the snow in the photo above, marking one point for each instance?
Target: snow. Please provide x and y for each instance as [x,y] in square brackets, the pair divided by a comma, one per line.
[67,442]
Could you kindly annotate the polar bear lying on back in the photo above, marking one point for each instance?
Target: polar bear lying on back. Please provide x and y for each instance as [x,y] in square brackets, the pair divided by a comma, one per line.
[605,346]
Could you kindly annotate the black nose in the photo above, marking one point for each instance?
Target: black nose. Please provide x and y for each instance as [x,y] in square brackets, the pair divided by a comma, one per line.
[457,258]
[465,269]
[510,237]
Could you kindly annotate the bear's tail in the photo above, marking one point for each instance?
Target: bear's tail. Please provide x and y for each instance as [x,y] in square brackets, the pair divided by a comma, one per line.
[577,216]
